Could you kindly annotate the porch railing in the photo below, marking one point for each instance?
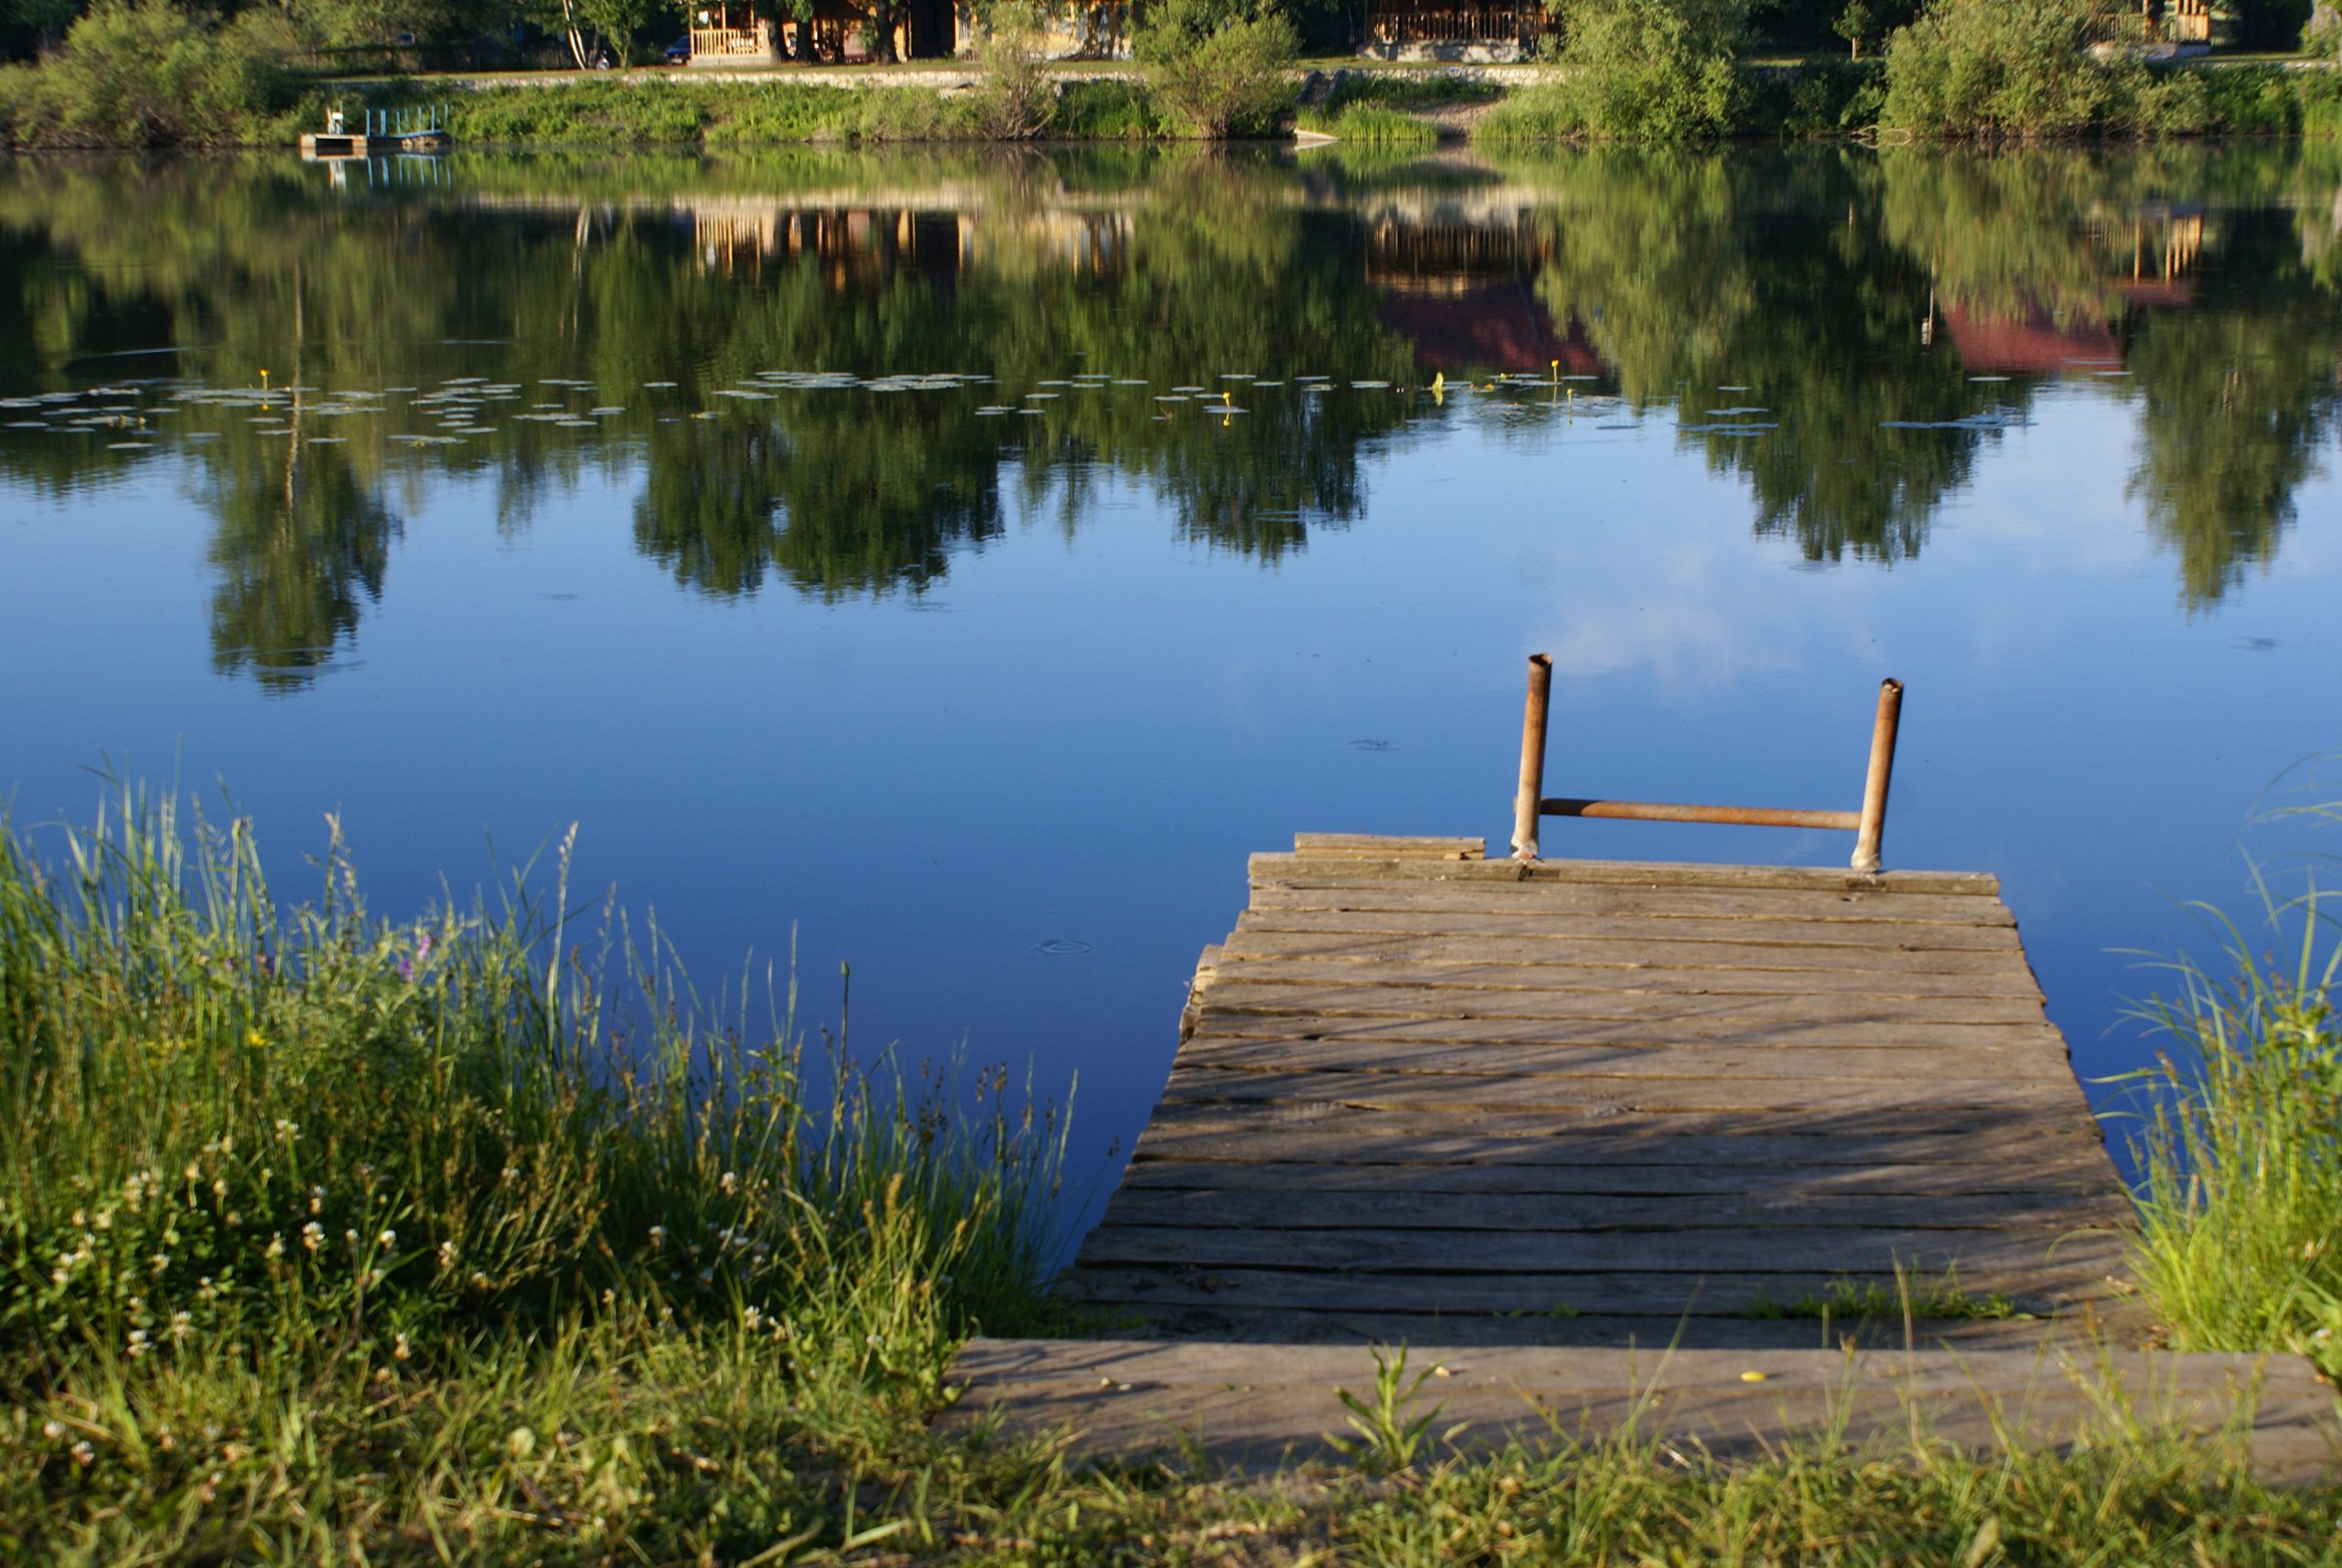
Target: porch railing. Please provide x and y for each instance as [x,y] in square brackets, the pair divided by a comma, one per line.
[730,41]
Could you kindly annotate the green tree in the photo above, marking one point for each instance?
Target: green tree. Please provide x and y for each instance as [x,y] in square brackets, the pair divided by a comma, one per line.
[1854,24]
[148,73]
[1220,65]
[586,26]
[2007,69]
[1651,71]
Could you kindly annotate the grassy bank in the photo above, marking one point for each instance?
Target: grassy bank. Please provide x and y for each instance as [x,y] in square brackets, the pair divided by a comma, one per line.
[325,1236]
[316,1230]
[2241,1211]
[127,85]
[1817,98]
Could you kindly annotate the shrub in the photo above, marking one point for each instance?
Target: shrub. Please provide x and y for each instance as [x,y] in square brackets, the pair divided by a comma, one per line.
[2319,93]
[1019,97]
[144,73]
[2007,69]
[1644,70]
[1108,111]
[2322,34]
[1220,65]
[19,103]
[1817,98]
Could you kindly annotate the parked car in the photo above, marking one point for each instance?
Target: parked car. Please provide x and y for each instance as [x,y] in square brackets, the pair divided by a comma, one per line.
[678,53]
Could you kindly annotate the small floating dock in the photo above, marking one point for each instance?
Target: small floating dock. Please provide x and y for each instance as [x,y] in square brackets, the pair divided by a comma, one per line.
[1720,1153]
[384,132]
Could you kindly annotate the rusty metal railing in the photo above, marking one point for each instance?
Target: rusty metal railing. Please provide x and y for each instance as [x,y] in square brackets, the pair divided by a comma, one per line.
[1530,803]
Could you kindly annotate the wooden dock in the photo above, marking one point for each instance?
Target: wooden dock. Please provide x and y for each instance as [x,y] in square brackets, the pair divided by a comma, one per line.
[1588,1111]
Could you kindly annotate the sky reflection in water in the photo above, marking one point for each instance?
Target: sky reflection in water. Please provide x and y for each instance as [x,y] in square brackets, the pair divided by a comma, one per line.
[958,566]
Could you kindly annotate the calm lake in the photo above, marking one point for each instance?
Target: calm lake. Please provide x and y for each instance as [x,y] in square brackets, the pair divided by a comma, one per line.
[956,565]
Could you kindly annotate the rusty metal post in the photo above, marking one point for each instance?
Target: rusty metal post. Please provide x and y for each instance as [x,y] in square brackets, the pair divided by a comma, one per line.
[1528,803]
[1882,771]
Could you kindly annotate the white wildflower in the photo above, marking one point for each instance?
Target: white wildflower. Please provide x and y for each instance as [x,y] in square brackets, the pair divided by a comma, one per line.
[387,1238]
[313,1235]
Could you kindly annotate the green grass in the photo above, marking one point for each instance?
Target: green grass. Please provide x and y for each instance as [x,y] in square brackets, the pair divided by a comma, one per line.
[1940,1299]
[1369,123]
[1546,112]
[320,1241]
[2241,1243]
[1108,111]
[315,1226]
[1389,111]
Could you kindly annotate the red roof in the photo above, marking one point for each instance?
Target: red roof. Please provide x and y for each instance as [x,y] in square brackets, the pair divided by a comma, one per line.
[2031,344]
[1499,327]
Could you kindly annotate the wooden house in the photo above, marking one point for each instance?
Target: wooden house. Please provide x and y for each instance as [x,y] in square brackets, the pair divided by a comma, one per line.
[731,33]
[1476,30]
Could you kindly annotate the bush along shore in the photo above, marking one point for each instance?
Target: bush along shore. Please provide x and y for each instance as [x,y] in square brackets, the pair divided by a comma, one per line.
[149,74]
[328,1237]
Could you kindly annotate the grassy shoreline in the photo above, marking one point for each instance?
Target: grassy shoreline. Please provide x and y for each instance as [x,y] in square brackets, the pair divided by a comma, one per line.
[1823,98]
[323,1235]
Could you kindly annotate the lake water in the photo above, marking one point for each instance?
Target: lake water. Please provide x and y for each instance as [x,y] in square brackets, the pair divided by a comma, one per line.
[957,564]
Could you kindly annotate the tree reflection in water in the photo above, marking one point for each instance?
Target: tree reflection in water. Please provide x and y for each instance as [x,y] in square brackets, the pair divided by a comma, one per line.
[1845,332]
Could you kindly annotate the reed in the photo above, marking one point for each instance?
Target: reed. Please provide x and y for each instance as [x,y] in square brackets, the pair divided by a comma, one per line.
[288,1189]
[1369,123]
[2240,1152]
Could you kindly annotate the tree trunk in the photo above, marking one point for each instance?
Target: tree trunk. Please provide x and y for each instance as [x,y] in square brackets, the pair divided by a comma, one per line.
[576,38]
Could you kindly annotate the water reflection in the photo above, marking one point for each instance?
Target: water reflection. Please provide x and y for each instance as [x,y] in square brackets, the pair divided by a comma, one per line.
[1845,333]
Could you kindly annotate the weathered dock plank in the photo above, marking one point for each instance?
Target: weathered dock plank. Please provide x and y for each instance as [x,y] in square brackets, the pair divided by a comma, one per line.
[1245,1403]
[1572,1109]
